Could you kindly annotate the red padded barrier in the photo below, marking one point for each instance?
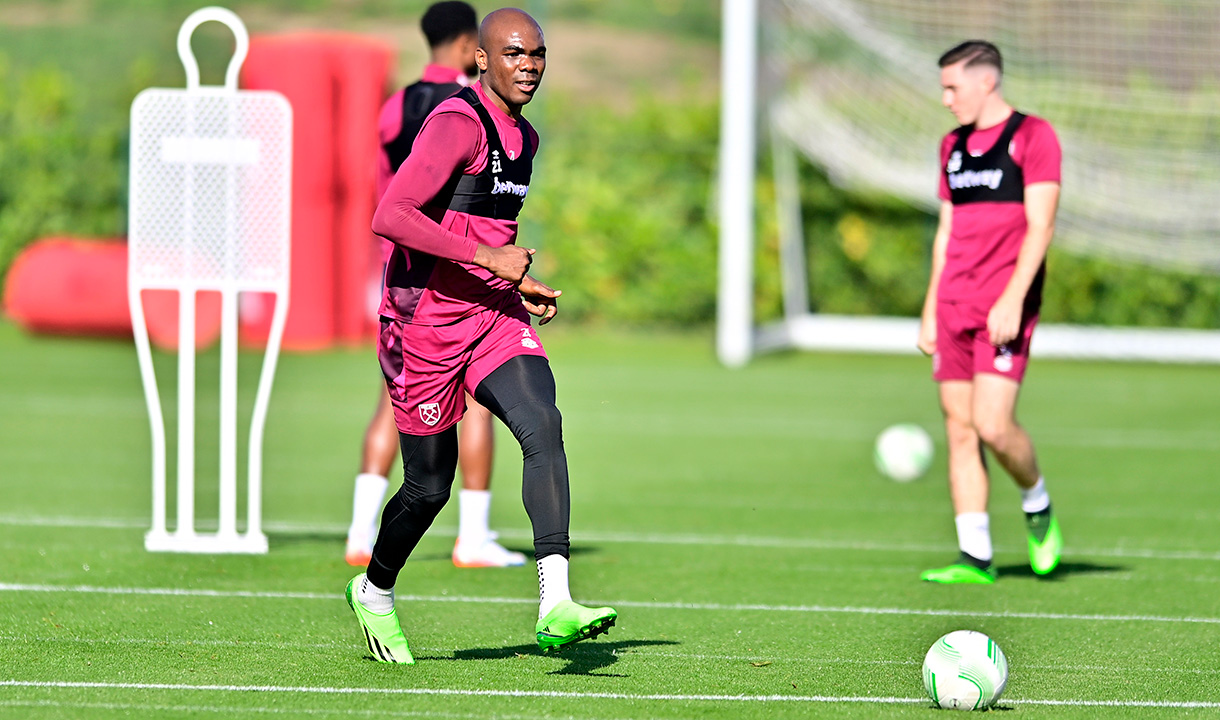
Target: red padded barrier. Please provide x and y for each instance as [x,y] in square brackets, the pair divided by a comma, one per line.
[300,69]
[70,286]
[335,84]
[360,68]
[75,286]
[161,317]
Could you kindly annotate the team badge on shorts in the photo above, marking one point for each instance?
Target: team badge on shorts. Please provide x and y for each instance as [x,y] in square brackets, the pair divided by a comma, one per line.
[430,413]
[527,341]
[1003,359]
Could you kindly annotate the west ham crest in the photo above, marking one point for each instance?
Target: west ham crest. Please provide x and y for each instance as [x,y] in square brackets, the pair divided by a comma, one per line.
[430,413]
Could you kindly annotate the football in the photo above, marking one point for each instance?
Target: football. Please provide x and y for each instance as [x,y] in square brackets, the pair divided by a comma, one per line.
[903,452]
[965,670]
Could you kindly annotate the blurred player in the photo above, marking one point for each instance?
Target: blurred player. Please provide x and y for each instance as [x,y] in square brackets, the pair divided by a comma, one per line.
[452,31]
[455,317]
[999,190]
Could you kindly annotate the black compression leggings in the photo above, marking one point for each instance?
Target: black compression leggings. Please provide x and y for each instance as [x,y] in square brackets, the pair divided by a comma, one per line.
[521,392]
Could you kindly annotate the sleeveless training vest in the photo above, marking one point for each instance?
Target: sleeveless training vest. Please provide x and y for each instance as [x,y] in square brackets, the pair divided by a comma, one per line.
[418,101]
[499,191]
[990,177]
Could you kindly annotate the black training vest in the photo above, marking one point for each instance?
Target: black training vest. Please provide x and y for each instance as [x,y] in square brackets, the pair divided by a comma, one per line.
[418,101]
[499,191]
[990,177]
[971,180]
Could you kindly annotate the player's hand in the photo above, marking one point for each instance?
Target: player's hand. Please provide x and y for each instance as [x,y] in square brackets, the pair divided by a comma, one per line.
[510,262]
[927,334]
[539,299]
[1004,320]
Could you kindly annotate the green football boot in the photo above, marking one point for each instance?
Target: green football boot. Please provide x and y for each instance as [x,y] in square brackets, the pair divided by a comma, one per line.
[961,572]
[383,633]
[1045,541]
[569,622]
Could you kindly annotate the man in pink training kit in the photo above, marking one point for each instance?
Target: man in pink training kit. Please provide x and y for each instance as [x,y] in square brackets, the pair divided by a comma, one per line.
[999,190]
[455,320]
[452,31]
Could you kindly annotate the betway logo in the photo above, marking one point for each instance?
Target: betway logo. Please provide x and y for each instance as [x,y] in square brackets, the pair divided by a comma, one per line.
[509,187]
[975,178]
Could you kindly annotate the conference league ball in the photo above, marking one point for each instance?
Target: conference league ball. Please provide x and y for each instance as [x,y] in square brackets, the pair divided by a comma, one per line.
[965,670]
[903,452]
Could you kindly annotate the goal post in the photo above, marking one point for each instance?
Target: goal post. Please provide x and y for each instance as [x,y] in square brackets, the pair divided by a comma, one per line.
[852,87]
[738,112]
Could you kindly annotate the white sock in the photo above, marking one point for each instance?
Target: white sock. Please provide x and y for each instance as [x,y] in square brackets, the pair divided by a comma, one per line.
[1035,499]
[373,598]
[974,534]
[366,505]
[552,583]
[474,507]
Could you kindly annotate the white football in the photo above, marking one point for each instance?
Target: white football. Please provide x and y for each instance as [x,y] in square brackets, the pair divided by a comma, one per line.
[903,452]
[965,670]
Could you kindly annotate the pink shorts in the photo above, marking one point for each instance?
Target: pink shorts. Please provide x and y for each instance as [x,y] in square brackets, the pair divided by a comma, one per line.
[430,368]
[963,349]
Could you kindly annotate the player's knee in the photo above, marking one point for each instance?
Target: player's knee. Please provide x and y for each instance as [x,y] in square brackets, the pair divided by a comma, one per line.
[431,504]
[550,420]
[960,431]
[993,432]
[536,424]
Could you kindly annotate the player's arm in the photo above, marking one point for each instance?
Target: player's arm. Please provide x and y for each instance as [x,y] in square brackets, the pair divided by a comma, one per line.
[1004,319]
[444,147]
[927,325]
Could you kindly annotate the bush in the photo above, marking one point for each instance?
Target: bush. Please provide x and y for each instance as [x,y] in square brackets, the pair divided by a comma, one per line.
[57,174]
[622,203]
[623,210]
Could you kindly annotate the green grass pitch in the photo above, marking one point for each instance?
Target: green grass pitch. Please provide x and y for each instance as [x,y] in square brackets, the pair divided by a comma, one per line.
[761,566]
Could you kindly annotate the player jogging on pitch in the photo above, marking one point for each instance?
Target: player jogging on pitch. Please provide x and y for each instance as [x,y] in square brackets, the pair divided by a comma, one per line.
[453,320]
[999,190]
[452,31]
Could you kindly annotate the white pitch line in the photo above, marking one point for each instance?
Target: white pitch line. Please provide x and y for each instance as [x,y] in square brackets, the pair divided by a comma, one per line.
[558,695]
[754,541]
[715,607]
[231,711]
[179,642]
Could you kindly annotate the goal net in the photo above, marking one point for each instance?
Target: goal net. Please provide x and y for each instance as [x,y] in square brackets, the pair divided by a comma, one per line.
[1130,85]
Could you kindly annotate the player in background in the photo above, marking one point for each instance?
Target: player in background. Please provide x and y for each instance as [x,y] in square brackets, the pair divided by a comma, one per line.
[455,316]
[999,190]
[452,31]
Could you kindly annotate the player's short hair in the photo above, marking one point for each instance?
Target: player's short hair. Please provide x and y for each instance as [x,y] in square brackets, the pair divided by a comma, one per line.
[974,52]
[446,21]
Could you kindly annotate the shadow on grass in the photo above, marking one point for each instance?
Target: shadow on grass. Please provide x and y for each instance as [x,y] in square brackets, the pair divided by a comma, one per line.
[583,659]
[993,708]
[1061,573]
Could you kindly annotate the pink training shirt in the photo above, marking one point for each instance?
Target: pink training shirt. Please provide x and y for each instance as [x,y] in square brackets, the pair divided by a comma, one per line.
[430,279]
[985,237]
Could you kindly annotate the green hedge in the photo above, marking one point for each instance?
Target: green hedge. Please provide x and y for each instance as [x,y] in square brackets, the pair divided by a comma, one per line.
[623,209]
[57,173]
[625,199]
[622,203]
